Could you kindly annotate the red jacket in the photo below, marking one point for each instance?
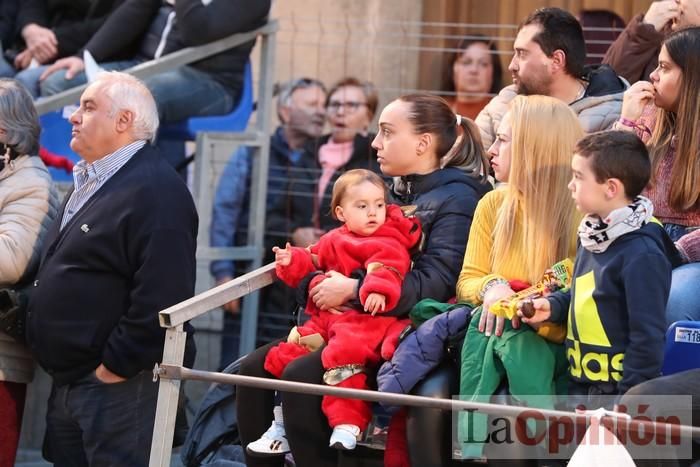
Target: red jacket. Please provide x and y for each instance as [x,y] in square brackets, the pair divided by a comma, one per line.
[384,254]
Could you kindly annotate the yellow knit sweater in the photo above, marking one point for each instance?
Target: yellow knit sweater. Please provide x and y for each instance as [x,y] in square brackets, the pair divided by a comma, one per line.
[478,267]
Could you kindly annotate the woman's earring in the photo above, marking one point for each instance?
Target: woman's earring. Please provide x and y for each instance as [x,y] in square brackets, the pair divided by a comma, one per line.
[419,149]
[6,157]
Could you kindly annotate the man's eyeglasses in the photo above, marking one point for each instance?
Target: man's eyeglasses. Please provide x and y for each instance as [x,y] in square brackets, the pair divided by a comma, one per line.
[349,106]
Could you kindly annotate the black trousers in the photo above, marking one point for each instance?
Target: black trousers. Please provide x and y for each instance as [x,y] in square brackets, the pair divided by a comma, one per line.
[306,425]
[429,431]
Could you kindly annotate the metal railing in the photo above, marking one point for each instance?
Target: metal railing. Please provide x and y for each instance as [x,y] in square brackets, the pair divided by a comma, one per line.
[165,63]
[171,372]
[394,399]
[173,319]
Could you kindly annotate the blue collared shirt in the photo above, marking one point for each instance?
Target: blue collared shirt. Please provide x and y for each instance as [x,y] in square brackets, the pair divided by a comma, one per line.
[88,178]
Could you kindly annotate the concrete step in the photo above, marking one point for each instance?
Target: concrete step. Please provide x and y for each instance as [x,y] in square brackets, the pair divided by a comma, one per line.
[32,458]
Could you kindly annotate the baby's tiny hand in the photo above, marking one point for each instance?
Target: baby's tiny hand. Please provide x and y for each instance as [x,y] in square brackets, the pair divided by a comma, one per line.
[375,303]
[283,256]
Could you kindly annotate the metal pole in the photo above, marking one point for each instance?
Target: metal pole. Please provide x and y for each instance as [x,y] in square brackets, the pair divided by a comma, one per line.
[168,394]
[168,371]
[203,186]
[212,298]
[258,187]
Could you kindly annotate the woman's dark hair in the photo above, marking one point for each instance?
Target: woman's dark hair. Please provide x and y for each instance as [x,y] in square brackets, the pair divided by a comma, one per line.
[682,46]
[367,88]
[432,114]
[496,83]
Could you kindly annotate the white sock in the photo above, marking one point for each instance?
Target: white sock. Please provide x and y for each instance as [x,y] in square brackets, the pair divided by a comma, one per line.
[277,411]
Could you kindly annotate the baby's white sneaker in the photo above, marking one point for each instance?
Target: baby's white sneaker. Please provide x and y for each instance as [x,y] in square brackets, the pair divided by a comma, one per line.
[345,437]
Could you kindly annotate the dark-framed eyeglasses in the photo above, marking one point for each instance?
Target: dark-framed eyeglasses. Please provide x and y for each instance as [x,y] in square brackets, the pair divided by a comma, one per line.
[348,106]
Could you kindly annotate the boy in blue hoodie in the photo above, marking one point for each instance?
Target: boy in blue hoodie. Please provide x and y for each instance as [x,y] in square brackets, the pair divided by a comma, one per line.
[622,273]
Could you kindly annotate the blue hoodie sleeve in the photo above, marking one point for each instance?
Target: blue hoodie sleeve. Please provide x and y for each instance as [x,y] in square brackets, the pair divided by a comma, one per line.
[228,205]
[647,281]
[559,305]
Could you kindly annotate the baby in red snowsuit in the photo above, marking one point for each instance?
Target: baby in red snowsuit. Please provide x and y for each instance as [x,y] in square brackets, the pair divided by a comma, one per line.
[375,237]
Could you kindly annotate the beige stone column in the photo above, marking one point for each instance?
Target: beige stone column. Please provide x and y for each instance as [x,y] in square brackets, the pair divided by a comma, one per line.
[375,40]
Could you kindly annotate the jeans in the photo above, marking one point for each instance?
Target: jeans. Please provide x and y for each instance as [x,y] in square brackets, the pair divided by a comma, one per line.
[183,93]
[89,422]
[6,69]
[684,300]
[676,231]
[57,82]
[187,92]
[230,339]
[29,77]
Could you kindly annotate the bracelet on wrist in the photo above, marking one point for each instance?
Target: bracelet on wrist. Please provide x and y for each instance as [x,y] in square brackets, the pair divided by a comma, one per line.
[682,253]
[491,284]
[633,124]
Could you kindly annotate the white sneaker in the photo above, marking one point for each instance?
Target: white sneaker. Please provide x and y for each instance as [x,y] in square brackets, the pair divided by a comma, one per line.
[273,442]
[345,437]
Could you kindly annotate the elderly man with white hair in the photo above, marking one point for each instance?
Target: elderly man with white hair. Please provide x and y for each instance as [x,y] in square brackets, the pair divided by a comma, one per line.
[122,249]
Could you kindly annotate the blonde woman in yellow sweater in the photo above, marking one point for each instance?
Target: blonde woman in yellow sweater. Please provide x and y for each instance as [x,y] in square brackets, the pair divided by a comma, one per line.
[527,225]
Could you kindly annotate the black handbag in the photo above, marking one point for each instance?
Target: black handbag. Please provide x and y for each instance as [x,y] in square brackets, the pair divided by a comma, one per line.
[13,312]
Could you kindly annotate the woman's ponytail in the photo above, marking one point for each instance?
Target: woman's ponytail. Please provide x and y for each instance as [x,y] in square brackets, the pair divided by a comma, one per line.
[467,153]
[431,114]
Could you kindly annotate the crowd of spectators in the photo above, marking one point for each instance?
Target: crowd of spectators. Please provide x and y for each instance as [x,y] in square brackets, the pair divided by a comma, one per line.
[531,158]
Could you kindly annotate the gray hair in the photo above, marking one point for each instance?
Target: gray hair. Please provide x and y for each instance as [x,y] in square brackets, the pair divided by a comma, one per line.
[18,117]
[285,90]
[130,93]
